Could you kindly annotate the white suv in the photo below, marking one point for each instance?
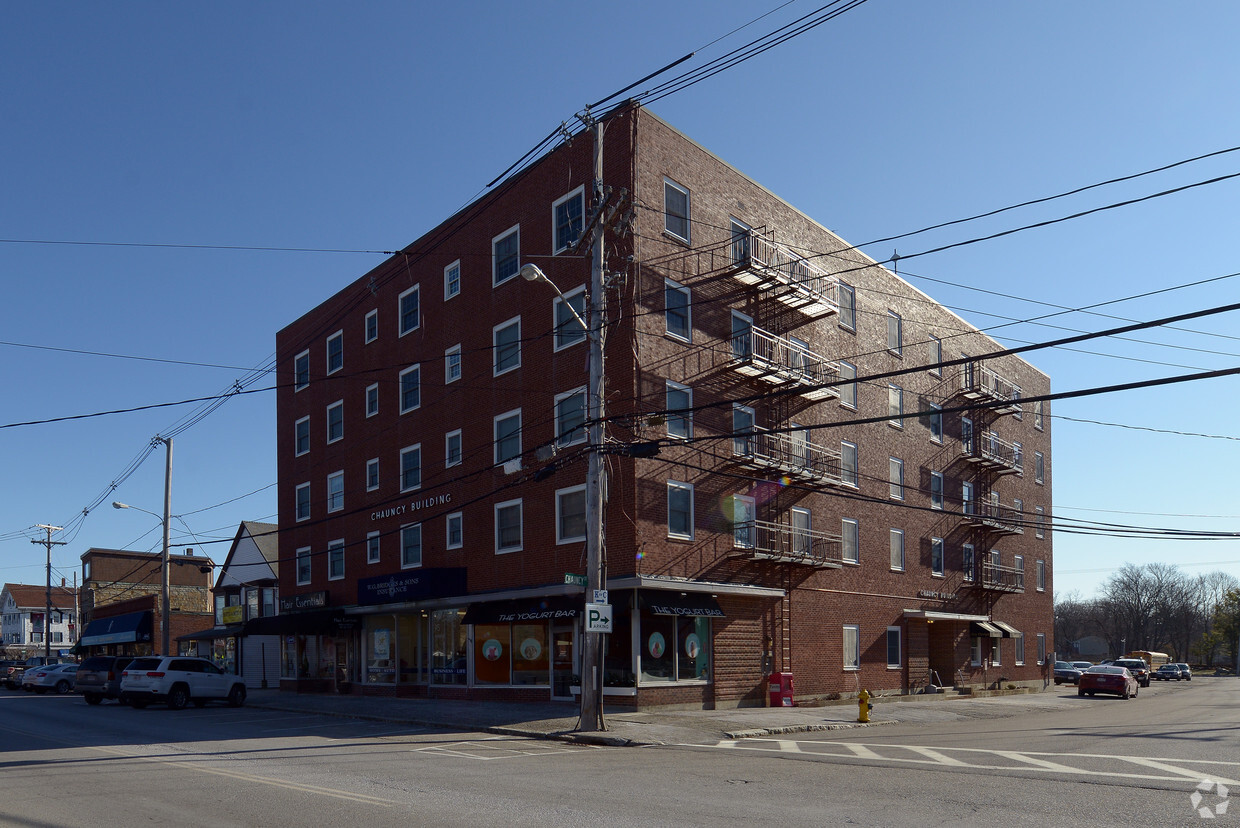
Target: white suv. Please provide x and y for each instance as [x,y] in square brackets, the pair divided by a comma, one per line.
[177,681]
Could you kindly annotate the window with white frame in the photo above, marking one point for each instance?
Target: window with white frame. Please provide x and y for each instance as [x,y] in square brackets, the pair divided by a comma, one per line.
[848,307]
[676,311]
[1037,414]
[372,326]
[679,419]
[679,510]
[410,388]
[850,540]
[506,338]
[802,526]
[570,312]
[1041,575]
[335,560]
[508,436]
[1018,563]
[452,451]
[740,249]
[935,422]
[849,473]
[373,540]
[455,530]
[1018,457]
[895,478]
[505,256]
[966,435]
[936,355]
[411,468]
[975,651]
[1019,641]
[1039,468]
[966,497]
[893,648]
[335,352]
[303,565]
[1041,648]
[936,490]
[372,400]
[570,514]
[897,549]
[452,364]
[852,647]
[742,430]
[301,430]
[410,545]
[567,219]
[452,280]
[848,388]
[335,491]
[895,406]
[372,474]
[1039,522]
[967,563]
[409,308]
[508,526]
[936,557]
[996,651]
[301,370]
[570,417]
[744,512]
[676,209]
[335,421]
[303,501]
[895,333]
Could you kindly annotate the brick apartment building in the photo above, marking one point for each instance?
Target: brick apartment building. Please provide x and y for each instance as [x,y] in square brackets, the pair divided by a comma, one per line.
[827,499]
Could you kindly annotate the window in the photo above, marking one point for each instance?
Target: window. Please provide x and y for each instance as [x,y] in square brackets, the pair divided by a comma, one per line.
[848,464]
[996,650]
[848,307]
[936,557]
[452,280]
[893,648]
[741,234]
[301,370]
[570,417]
[848,389]
[567,218]
[570,312]
[455,530]
[335,421]
[372,547]
[676,311]
[303,565]
[570,515]
[936,423]
[675,209]
[1041,648]
[1037,414]
[802,526]
[895,333]
[410,388]
[1039,468]
[1041,575]
[680,510]
[411,546]
[411,468]
[335,352]
[852,647]
[372,474]
[742,337]
[742,430]
[1018,457]
[936,490]
[850,540]
[1018,563]
[452,449]
[679,397]
[966,436]
[936,355]
[335,491]
[1019,641]
[301,431]
[744,512]
[410,307]
[897,549]
[506,338]
[975,651]
[335,560]
[506,256]
[966,498]
[1039,522]
[508,526]
[895,477]
[508,436]
[372,326]
[1018,512]
[303,501]
[895,406]
[452,364]
[372,400]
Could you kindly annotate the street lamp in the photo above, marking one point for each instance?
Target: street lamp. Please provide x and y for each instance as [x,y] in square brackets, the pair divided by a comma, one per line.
[164,608]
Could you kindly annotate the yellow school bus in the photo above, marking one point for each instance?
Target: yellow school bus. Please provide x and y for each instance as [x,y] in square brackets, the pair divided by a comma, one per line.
[1155,660]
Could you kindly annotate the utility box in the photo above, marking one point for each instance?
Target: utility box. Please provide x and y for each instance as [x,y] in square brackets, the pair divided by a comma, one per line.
[781,690]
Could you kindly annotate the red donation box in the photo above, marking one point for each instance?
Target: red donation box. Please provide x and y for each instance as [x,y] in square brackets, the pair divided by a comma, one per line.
[781,690]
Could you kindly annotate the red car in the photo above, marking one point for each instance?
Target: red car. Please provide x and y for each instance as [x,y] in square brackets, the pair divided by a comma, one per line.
[1108,679]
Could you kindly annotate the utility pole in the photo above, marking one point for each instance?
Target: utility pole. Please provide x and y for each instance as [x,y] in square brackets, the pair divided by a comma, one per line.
[165,609]
[47,616]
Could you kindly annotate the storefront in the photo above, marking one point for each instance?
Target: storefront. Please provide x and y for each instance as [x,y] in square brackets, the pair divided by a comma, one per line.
[128,634]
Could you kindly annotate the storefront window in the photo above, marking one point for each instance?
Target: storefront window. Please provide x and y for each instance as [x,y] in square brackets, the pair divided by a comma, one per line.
[300,656]
[448,647]
[380,649]
[411,637]
[618,647]
[693,648]
[492,653]
[530,663]
[674,648]
[658,639]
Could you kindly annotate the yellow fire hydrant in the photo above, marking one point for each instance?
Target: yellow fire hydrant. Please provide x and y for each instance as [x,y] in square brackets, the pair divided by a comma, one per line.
[864,706]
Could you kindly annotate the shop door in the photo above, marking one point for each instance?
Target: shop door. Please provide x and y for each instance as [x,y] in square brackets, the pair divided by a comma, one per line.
[563,661]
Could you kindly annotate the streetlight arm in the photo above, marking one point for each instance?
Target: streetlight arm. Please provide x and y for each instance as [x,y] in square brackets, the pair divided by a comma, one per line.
[533,273]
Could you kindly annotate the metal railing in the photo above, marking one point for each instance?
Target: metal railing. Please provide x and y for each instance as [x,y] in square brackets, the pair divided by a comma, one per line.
[768,540]
[777,359]
[991,450]
[996,517]
[977,382]
[756,260]
[1005,578]
[788,454]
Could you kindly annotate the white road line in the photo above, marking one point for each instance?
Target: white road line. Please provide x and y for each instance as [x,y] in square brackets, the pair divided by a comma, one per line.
[861,751]
[1187,773]
[789,746]
[1032,760]
[931,753]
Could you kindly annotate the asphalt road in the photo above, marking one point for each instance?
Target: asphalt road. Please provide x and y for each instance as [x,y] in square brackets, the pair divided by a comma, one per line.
[1097,761]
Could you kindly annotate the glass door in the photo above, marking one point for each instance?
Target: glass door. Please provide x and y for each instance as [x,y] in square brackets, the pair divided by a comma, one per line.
[563,661]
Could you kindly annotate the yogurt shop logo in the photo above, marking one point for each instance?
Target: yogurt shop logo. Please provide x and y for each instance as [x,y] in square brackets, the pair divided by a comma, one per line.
[1206,805]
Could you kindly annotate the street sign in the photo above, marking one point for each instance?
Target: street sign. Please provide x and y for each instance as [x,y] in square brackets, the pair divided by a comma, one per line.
[600,596]
[570,578]
[598,618]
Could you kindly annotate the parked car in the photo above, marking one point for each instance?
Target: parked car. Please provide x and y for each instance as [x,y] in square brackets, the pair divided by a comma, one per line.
[13,673]
[1108,679]
[1066,672]
[1137,666]
[177,681]
[58,677]
[99,677]
[1082,665]
[1168,672]
[1185,671]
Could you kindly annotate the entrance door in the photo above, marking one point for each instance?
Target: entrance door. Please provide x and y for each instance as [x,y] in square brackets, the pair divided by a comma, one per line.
[563,661]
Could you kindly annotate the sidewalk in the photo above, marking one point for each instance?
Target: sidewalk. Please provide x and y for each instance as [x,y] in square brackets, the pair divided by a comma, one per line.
[652,727]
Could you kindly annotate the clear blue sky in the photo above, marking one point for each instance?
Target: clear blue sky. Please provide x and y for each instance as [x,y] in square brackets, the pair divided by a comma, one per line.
[361,126]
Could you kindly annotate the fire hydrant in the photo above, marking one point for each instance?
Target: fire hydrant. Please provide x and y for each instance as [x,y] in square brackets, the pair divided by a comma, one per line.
[864,706]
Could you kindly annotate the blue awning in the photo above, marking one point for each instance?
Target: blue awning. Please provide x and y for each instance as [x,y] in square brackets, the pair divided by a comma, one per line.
[122,629]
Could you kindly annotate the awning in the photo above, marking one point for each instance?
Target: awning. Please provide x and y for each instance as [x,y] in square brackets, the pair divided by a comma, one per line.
[120,629]
[1008,630]
[321,622]
[936,615]
[215,632]
[667,602]
[525,610]
[985,629]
